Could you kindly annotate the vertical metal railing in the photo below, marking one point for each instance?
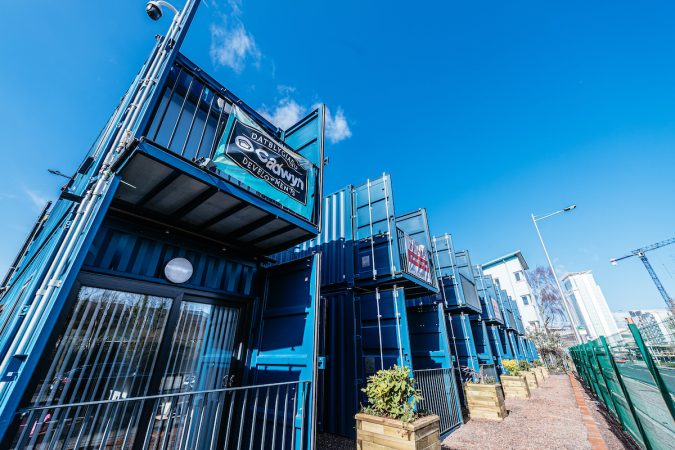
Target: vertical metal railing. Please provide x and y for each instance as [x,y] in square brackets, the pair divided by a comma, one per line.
[191,115]
[263,416]
[439,393]
[488,373]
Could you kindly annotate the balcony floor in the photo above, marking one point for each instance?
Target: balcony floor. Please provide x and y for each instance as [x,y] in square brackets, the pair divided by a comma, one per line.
[166,189]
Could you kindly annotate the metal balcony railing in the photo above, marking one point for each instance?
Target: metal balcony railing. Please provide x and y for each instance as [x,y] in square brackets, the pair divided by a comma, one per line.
[263,416]
[439,394]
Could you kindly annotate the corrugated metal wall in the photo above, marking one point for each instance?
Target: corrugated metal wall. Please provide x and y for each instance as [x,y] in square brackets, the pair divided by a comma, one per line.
[128,250]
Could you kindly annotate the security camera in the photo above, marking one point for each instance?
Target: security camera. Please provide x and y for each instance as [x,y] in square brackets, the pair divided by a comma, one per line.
[153,10]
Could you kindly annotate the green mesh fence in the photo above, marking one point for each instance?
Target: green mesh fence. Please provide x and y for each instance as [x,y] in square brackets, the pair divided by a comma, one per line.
[633,374]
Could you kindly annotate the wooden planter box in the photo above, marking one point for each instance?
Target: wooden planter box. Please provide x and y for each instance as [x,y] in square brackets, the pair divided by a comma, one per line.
[373,432]
[541,376]
[515,386]
[531,378]
[486,401]
[544,370]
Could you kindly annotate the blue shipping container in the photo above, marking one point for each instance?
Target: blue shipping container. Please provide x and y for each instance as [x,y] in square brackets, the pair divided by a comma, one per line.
[152,257]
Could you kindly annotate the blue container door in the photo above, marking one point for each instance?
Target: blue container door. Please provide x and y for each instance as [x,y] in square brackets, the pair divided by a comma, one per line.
[527,349]
[337,389]
[444,254]
[496,346]
[375,229]
[285,351]
[533,350]
[382,331]
[428,337]
[509,352]
[486,357]
[463,344]
[464,347]
[433,362]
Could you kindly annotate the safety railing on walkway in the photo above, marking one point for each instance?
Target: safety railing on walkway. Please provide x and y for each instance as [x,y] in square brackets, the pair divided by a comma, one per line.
[263,416]
[634,377]
[439,396]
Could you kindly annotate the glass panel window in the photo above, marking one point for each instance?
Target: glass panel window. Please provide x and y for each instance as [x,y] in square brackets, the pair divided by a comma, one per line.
[107,351]
[201,350]
[518,275]
[525,299]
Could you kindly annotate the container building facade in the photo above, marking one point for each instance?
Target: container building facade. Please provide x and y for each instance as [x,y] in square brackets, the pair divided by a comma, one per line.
[376,265]
[145,310]
[141,311]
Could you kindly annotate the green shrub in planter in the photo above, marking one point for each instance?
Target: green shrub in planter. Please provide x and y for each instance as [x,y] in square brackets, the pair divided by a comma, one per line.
[538,363]
[391,393]
[524,365]
[512,366]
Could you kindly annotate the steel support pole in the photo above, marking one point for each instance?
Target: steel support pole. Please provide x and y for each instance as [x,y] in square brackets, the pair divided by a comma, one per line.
[557,282]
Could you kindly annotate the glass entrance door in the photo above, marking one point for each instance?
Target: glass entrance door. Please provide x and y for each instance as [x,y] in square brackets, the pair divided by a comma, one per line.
[118,347]
[198,362]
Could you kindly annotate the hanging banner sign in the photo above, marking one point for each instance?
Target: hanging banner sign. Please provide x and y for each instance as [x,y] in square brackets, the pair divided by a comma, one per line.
[495,307]
[418,260]
[265,163]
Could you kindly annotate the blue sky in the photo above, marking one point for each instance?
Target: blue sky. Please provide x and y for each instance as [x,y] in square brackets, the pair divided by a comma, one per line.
[483,112]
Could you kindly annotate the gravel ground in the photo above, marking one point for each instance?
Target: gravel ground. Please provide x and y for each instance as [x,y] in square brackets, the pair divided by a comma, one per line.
[610,429]
[549,420]
[325,441]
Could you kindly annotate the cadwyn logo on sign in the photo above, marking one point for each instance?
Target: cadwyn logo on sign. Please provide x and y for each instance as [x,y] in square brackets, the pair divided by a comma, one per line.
[267,160]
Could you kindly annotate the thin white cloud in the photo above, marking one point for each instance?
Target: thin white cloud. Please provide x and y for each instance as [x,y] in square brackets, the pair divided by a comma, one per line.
[232,45]
[37,199]
[337,127]
[287,112]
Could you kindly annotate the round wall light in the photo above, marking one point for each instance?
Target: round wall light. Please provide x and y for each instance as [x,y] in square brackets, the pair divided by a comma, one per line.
[178,270]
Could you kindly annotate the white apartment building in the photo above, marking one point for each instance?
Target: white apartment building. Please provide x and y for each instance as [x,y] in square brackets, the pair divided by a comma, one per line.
[589,304]
[509,272]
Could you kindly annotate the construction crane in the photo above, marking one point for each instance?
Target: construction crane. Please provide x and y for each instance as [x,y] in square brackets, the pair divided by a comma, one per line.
[640,253]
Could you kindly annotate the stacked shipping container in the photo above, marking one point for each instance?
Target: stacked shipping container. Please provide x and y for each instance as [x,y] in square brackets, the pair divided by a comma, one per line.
[139,312]
[144,305]
[376,263]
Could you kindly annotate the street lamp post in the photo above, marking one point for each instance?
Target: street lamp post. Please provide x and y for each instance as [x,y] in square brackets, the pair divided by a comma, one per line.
[535,219]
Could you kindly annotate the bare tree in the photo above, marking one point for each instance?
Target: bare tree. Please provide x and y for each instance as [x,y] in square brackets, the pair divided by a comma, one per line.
[547,297]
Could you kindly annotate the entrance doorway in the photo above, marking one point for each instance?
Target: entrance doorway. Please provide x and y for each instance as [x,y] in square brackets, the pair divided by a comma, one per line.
[128,340]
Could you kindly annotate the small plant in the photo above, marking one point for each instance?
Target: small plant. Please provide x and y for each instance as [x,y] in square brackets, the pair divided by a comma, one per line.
[524,365]
[487,379]
[391,393]
[538,363]
[512,366]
